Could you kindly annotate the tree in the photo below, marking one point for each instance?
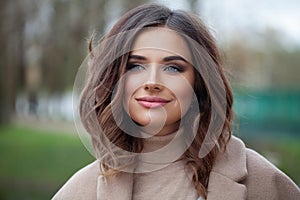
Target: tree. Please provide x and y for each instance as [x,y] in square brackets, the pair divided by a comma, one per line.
[12,21]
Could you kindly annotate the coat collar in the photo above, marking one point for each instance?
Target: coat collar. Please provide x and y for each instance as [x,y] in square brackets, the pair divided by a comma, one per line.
[228,172]
[224,181]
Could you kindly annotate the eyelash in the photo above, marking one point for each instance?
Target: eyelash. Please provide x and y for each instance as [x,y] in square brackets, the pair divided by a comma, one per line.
[169,68]
[133,66]
[175,68]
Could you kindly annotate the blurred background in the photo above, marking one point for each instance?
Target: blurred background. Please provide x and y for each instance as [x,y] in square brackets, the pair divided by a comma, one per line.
[43,43]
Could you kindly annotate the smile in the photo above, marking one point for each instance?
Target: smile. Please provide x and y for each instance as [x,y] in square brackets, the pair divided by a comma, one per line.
[152,102]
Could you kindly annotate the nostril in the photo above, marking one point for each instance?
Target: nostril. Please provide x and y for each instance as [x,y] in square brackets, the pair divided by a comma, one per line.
[156,88]
[152,86]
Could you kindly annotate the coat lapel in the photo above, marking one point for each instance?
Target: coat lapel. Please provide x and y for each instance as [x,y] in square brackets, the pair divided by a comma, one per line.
[228,172]
[222,187]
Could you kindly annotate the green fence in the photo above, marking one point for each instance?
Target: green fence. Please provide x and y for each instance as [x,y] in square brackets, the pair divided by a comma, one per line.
[268,112]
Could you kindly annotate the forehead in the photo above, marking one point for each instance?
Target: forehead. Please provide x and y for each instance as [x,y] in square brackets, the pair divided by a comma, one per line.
[162,39]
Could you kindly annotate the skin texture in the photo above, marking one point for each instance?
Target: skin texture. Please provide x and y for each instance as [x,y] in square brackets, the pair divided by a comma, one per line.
[158,67]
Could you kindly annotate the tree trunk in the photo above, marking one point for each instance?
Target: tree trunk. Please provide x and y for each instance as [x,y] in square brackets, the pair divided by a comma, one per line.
[11,60]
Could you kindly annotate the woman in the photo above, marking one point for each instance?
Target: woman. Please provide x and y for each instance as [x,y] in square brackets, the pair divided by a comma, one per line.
[158,108]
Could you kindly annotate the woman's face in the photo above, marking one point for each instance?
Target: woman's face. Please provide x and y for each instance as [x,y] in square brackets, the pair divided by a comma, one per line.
[159,81]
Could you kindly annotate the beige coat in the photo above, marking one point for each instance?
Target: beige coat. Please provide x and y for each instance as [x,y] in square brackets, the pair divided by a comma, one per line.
[240,173]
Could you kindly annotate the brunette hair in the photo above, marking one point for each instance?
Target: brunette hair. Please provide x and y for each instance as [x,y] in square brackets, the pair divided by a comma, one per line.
[108,64]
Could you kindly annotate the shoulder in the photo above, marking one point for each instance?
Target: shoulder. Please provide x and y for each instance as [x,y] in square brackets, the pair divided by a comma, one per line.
[264,179]
[82,185]
[260,178]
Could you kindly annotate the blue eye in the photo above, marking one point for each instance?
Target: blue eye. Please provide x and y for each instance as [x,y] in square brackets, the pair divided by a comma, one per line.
[134,67]
[173,68]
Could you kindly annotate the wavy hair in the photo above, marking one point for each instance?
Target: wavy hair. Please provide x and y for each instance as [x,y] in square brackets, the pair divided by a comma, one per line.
[107,65]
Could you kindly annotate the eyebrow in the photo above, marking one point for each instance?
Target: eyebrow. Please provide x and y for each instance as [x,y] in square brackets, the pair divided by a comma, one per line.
[165,59]
[171,58]
[137,57]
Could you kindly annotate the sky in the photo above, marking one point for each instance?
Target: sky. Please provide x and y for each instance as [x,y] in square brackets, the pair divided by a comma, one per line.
[227,16]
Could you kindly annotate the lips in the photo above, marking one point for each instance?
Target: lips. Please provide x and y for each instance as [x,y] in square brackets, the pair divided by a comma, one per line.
[152,102]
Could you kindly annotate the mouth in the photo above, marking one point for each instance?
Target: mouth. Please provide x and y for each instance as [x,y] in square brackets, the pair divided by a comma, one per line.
[152,102]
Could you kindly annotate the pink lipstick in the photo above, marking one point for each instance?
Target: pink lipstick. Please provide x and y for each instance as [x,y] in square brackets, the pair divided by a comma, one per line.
[152,102]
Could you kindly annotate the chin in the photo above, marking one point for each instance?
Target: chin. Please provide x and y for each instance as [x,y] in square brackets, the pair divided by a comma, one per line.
[141,120]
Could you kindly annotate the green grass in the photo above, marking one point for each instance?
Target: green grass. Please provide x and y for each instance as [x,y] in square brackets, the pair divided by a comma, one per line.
[34,164]
[290,159]
[284,152]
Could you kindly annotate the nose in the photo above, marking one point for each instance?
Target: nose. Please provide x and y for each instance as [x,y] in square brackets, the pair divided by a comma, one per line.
[152,83]
[152,87]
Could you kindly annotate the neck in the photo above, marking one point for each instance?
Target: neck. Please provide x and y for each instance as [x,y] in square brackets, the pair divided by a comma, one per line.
[159,151]
[156,142]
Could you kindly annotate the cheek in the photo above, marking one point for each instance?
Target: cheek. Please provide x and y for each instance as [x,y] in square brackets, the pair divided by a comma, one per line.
[126,98]
[129,87]
[183,91]
[184,98]
[136,113]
